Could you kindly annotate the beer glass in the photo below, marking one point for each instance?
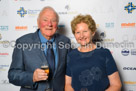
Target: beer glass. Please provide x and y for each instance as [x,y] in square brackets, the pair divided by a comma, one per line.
[45,68]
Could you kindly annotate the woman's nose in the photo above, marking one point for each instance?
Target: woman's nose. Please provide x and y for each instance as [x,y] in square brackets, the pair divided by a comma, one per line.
[81,35]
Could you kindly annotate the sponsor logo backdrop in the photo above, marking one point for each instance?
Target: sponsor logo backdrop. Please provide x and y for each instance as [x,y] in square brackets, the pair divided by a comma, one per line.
[116,30]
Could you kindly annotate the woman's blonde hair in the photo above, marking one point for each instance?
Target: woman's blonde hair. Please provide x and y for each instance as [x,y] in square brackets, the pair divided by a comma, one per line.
[85,19]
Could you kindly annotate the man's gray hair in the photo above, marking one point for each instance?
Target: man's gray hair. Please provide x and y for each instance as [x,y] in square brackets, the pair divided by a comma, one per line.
[48,7]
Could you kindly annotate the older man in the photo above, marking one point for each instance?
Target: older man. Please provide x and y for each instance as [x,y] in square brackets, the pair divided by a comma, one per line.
[28,56]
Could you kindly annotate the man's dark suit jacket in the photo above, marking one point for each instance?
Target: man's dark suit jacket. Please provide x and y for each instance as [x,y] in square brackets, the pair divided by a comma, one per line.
[28,56]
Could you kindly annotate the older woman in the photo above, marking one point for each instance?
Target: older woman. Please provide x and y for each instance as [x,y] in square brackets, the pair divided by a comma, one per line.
[90,68]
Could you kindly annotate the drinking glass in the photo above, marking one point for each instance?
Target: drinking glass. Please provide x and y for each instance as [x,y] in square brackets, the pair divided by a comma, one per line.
[45,67]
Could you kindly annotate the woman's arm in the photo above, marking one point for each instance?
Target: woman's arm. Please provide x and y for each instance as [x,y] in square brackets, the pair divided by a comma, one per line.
[115,83]
[68,86]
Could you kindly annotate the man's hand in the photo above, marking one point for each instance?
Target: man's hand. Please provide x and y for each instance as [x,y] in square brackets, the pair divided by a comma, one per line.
[39,75]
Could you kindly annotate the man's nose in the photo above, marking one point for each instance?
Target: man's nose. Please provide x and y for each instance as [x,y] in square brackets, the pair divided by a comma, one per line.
[49,23]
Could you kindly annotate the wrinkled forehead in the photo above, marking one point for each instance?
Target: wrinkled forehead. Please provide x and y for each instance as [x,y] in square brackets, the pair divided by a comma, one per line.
[48,13]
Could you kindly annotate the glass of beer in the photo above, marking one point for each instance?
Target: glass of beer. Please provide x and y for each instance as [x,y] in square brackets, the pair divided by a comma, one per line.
[45,68]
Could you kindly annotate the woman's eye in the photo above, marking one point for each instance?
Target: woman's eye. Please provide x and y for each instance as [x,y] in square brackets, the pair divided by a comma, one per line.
[85,31]
[77,32]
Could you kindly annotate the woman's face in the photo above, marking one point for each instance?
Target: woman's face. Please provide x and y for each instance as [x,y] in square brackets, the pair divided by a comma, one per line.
[82,34]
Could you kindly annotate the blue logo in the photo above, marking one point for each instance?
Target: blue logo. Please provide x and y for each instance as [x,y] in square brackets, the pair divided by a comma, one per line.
[130,7]
[125,52]
[22,12]
[4,28]
[109,25]
[61,26]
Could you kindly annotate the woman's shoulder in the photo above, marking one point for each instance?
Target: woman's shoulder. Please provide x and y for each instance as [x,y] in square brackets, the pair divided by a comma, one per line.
[73,52]
[103,50]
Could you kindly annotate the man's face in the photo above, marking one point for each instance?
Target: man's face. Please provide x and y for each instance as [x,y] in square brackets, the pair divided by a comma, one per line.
[47,23]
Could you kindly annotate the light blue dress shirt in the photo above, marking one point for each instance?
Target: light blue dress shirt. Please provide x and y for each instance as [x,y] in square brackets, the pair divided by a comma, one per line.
[43,41]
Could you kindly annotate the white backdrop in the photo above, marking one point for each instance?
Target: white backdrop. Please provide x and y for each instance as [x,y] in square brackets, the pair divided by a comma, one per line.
[116,26]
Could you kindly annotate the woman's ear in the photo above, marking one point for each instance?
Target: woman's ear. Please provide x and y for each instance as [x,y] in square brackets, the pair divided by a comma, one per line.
[93,33]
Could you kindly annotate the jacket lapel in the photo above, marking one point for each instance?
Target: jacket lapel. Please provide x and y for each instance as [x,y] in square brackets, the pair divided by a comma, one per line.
[39,51]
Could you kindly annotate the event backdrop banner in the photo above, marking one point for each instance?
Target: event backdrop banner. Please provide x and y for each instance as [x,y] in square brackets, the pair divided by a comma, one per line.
[116,30]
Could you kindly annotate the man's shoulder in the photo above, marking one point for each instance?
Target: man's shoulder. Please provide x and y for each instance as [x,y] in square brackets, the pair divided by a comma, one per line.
[26,37]
[61,37]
